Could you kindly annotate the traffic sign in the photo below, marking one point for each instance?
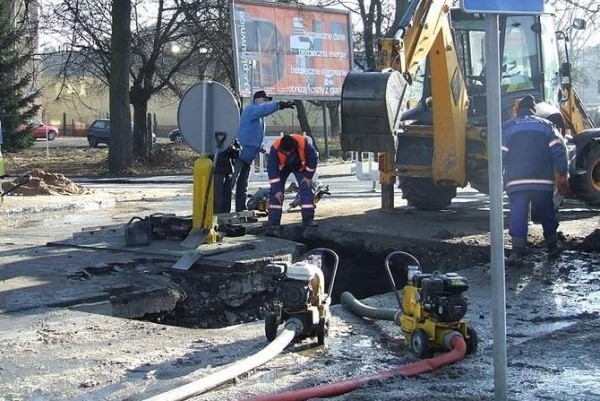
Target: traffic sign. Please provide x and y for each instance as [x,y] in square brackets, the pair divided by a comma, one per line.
[205,109]
[503,6]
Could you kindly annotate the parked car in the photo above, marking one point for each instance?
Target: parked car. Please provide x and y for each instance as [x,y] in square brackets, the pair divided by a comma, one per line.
[99,132]
[39,129]
[175,135]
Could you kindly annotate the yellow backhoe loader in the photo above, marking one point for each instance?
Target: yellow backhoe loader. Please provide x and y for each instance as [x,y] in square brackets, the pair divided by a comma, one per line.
[441,143]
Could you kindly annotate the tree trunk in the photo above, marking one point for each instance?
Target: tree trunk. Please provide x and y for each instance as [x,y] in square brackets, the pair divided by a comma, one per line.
[334,118]
[140,130]
[303,120]
[119,150]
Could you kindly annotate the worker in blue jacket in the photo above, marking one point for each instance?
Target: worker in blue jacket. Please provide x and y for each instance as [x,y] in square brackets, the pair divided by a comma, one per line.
[291,154]
[533,154]
[251,133]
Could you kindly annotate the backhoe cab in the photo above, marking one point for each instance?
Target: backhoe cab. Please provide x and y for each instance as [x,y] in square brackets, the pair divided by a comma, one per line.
[437,59]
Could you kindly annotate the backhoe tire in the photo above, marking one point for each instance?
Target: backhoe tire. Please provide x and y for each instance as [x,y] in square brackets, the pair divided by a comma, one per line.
[480,182]
[480,186]
[586,187]
[423,194]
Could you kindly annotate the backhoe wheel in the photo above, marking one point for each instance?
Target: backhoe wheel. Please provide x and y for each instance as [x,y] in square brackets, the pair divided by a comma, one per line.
[419,344]
[423,194]
[587,186]
[479,179]
[471,341]
[271,326]
[322,330]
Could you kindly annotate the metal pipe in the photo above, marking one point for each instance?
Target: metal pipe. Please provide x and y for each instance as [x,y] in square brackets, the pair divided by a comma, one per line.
[348,300]
[290,330]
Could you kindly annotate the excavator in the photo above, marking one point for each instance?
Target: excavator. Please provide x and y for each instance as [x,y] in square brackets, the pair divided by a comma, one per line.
[423,110]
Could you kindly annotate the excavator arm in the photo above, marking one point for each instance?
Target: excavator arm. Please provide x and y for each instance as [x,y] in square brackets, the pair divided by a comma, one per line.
[373,102]
[577,119]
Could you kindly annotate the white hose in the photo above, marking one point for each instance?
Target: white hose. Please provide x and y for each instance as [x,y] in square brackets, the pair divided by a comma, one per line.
[231,372]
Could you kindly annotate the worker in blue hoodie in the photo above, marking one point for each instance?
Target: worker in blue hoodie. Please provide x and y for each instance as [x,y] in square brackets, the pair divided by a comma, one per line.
[292,154]
[533,154]
[250,136]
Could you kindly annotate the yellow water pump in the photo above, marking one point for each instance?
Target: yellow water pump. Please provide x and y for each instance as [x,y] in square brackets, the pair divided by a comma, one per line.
[432,305]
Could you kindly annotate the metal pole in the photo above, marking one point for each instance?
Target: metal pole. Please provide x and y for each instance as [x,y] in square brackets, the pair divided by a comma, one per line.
[494,121]
[325,132]
[47,144]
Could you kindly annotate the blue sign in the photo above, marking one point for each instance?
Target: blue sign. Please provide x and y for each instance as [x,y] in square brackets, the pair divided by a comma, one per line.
[503,6]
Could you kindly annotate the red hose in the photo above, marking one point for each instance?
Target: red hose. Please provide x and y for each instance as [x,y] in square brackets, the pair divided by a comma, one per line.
[458,351]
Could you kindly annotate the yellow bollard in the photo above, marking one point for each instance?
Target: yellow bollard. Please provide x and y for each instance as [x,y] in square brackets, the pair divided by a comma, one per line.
[203,204]
[1,163]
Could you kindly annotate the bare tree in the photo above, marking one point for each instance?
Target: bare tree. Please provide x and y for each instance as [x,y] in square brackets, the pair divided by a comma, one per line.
[118,156]
[167,38]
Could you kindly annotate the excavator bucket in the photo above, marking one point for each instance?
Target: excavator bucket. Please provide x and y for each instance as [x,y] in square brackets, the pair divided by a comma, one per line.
[372,105]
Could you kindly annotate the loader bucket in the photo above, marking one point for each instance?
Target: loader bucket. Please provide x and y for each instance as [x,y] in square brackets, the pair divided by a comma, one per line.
[372,104]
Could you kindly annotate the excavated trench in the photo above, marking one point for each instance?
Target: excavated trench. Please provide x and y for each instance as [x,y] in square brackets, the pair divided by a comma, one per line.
[214,299]
[205,298]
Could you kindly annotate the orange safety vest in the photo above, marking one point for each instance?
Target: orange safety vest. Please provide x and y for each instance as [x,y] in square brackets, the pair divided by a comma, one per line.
[301,144]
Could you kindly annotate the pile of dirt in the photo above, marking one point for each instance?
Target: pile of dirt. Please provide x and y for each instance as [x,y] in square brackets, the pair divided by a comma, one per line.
[43,183]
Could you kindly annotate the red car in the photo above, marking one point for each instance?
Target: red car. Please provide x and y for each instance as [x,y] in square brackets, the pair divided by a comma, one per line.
[39,129]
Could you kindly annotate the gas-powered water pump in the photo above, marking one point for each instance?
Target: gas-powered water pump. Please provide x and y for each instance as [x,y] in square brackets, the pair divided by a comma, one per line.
[301,290]
[432,306]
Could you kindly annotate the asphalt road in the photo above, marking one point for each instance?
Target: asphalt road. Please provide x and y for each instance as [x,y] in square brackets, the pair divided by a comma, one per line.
[74,142]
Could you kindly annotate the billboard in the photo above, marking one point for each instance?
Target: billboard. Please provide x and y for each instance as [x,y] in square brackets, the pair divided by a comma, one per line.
[290,51]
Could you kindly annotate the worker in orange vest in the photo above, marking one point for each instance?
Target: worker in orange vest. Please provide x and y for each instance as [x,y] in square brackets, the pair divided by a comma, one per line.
[291,154]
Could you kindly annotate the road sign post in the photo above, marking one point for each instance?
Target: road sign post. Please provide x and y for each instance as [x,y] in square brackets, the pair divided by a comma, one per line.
[492,9]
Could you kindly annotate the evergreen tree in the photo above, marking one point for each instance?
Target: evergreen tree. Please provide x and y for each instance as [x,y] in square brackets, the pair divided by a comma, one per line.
[16,98]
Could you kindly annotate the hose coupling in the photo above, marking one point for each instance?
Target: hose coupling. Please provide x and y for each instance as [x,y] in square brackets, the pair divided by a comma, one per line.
[449,337]
[296,325]
[398,318]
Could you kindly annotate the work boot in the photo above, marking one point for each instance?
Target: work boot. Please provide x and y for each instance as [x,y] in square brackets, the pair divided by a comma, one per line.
[555,248]
[271,223]
[309,223]
[519,251]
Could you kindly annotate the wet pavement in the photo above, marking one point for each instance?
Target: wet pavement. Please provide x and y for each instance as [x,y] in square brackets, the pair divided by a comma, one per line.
[60,340]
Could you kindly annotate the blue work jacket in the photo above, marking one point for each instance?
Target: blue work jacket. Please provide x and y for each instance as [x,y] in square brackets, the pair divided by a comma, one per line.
[532,151]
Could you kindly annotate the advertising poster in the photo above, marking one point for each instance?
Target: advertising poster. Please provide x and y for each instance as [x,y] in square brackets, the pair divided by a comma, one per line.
[291,52]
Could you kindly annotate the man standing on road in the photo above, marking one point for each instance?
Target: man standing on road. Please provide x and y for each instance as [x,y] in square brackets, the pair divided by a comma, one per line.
[292,154]
[250,135]
[223,178]
[533,151]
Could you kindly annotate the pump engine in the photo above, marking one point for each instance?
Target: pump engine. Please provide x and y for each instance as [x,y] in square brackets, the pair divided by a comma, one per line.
[300,287]
[442,295]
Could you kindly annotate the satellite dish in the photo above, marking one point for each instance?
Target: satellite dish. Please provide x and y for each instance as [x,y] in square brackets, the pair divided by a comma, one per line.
[205,109]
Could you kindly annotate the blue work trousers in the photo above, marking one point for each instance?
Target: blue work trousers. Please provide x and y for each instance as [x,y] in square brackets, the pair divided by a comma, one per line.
[307,200]
[520,201]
